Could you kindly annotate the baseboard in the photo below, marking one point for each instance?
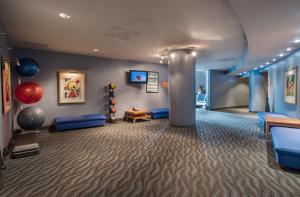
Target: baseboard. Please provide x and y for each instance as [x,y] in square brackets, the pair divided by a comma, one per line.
[228,107]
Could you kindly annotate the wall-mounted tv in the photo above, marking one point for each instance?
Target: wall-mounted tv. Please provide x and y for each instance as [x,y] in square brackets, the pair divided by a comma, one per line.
[138,76]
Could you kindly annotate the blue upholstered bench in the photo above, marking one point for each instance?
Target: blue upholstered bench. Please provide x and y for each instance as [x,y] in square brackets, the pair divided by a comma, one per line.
[78,122]
[286,143]
[262,115]
[159,113]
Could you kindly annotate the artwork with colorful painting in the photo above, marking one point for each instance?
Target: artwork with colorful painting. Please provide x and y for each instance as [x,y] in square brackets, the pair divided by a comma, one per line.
[6,86]
[71,87]
[290,86]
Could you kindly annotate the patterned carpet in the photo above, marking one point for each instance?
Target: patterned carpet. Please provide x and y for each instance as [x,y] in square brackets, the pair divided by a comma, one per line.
[225,156]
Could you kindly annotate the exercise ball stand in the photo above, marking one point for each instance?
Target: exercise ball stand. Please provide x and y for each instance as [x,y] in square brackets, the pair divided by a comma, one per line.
[27,141]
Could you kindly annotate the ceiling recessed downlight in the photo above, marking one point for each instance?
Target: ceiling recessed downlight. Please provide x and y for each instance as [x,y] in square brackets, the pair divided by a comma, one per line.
[172,55]
[96,50]
[64,15]
[281,55]
[268,63]
[297,41]
[261,66]
[288,49]
[161,61]
[194,53]
[274,60]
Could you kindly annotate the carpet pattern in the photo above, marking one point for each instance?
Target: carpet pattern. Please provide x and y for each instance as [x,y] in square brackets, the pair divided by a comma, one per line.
[226,155]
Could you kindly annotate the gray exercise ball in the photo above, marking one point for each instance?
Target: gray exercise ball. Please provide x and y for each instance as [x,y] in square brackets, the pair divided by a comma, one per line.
[31,118]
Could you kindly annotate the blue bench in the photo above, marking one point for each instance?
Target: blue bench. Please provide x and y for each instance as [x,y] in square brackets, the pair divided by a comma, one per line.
[286,143]
[159,113]
[262,115]
[79,122]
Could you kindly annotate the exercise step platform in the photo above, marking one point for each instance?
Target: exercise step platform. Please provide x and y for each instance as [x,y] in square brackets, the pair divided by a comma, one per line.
[26,144]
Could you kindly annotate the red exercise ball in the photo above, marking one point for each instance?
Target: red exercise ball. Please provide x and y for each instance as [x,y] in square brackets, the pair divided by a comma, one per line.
[29,92]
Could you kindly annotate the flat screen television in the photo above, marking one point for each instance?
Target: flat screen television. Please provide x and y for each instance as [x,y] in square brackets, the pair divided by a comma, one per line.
[138,76]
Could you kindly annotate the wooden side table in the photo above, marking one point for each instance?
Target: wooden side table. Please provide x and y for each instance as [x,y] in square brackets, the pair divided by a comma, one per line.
[137,115]
[280,122]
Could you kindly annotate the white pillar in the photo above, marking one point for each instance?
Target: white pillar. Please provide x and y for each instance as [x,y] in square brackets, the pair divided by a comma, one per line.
[182,88]
[257,92]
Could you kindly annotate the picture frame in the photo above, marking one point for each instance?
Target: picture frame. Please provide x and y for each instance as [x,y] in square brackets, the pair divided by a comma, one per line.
[290,93]
[152,85]
[71,87]
[6,86]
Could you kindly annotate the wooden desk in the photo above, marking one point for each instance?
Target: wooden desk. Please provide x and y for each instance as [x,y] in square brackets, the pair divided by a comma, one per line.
[137,115]
[280,122]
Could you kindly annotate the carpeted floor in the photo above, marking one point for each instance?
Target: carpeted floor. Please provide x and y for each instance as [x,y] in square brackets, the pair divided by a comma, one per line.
[225,156]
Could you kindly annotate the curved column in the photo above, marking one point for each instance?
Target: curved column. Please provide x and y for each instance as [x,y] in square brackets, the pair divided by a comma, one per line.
[257,92]
[182,88]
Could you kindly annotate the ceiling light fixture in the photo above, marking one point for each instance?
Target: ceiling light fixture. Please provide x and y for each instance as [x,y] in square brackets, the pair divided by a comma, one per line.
[96,50]
[288,49]
[274,60]
[268,63]
[261,66]
[64,15]
[256,68]
[194,53]
[161,61]
[281,55]
[172,55]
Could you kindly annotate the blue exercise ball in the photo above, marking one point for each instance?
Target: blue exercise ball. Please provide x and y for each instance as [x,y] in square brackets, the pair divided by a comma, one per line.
[28,67]
[31,118]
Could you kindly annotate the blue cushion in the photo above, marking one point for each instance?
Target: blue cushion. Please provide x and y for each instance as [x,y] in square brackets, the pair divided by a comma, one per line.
[81,118]
[78,122]
[160,113]
[160,110]
[286,142]
[272,114]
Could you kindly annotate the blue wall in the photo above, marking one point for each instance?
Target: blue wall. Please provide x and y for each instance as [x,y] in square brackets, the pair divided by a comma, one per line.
[100,72]
[277,83]
[227,91]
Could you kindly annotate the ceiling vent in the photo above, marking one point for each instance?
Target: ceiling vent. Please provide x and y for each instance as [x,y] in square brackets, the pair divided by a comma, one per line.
[122,34]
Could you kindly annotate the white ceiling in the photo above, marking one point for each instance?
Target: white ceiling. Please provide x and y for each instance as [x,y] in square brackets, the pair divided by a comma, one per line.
[140,29]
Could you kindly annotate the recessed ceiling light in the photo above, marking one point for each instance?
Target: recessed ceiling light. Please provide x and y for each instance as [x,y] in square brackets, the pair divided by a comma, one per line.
[274,60]
[255,68]
[172,55]
[261,66]
[194,53]
[268,63]
[288,49]
[157,55]
[161,61]
[281,55]
[64,15]
[297,41]
[96,50]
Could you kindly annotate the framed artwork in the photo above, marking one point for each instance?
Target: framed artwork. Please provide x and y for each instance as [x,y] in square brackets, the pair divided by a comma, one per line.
[291,86]
[6,86]
[153,82]
[71,87]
